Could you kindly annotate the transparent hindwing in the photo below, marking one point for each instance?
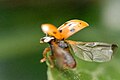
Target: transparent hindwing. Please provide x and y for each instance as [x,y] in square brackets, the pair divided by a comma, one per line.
[92,51]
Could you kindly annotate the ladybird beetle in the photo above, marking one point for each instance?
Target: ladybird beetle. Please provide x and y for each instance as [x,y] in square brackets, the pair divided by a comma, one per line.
[61,55]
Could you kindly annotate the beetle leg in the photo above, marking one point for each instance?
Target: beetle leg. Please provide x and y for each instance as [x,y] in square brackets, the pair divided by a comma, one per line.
[50,58]
[44,54]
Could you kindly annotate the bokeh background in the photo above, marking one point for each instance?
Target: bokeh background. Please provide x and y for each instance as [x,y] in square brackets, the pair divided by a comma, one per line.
[20,32]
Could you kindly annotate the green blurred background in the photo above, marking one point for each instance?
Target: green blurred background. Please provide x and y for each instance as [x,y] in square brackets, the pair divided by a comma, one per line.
[20,32]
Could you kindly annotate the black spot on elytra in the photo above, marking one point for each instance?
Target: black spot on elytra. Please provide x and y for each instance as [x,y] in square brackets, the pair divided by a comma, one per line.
[69,24]
[80,23]
[54,32]
[65,23]
[60,31]
[72,30]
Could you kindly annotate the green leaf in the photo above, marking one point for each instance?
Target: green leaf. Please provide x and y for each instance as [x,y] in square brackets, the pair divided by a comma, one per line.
[86,71]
